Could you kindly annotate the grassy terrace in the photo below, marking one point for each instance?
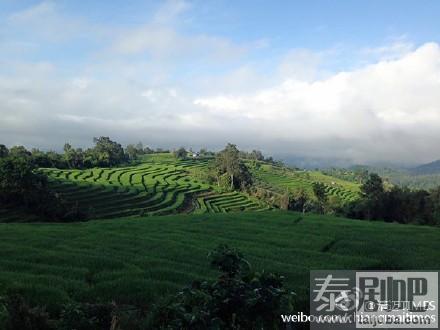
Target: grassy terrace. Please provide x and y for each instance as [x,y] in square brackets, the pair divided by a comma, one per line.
[137,260]
[283,179]
[160,185]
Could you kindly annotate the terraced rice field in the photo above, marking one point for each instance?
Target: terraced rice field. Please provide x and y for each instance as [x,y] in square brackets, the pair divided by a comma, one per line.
[147,189]
[136,261]
[294,180]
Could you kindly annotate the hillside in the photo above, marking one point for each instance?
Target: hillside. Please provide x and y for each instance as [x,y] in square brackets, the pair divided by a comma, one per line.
[156,188]
[136,261]
[426,169]
[282,178]
[159,184]
[415,178]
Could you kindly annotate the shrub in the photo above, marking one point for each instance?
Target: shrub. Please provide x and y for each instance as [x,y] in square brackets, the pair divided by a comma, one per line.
[239,299]
[86,317]
[17,314]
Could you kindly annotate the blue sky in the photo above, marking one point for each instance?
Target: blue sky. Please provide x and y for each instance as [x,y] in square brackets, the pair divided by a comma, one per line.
[306,78]
[284,25]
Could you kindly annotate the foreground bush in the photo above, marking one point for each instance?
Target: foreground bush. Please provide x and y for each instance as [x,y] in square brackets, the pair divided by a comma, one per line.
[239,299]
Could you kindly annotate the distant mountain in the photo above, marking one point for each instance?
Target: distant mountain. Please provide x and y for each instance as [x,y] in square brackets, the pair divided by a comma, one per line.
[314,162]
[422,177]
[430,168]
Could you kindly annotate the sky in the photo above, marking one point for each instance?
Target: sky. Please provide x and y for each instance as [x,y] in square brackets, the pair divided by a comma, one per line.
[357,81]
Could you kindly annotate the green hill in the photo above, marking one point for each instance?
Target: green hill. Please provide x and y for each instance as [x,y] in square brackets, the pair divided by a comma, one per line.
[159,185]
[430,168]
[137,260]
[282,178]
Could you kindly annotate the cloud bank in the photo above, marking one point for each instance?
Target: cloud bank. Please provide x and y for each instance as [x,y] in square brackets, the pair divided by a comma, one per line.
[385,111]
[157,84]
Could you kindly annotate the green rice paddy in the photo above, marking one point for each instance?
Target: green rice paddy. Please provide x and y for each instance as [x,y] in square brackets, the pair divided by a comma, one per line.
[138,260]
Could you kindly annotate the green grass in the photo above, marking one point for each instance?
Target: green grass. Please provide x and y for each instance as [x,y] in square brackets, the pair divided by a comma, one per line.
[138,260]
[280,179]
[163,185]
[160,185]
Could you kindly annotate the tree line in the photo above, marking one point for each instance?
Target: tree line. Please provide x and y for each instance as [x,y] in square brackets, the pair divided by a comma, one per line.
[375,202]
[23,187]
[399,204]
[104,153]
[21,184]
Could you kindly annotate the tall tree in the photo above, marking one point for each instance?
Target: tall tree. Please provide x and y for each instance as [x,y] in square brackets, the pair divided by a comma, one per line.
[228,162]
[19,151]
[140,147]
[257,155]
[3,151]
[131,151]
[108,152]
[180,153]
[68,154]
[372,192]
[319,191]
[73,157]
[373,187]
[300,200]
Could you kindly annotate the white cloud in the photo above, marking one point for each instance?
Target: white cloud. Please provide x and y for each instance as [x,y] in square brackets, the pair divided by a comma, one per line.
[36,12]
[81,83]
[161,38]
[384,111]
[183,93]
[391,52]
[169,11]
[387,111]
[46,22]
[163,42]
[301,64]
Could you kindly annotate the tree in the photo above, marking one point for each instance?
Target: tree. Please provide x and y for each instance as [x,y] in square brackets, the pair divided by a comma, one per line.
[228,161]
[373,187]
[73,157]
[239,298]
[41,159]
[334,205]
[284,201]
[17,179]
[434,202]
[180,153]
[299,201]
[372,192]
[22,316]
[68,154]
[140,147]
[320,194]
[21,185]
[19,151]
[257,155]
[148,150]
[3,151]
[131,151]
[108,152]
